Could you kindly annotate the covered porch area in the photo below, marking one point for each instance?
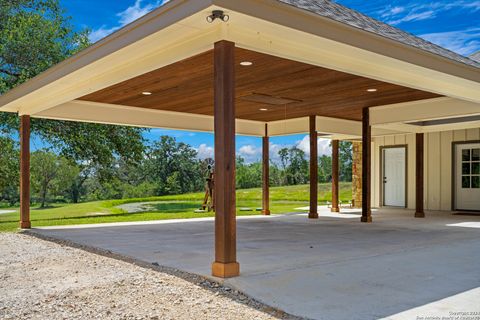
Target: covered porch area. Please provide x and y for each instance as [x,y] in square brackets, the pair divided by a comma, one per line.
[264,71]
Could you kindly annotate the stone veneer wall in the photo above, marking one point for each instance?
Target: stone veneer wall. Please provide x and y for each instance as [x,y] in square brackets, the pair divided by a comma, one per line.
[357,174]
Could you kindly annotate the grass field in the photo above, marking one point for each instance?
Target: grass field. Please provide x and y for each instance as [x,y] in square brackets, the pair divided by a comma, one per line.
[282,200]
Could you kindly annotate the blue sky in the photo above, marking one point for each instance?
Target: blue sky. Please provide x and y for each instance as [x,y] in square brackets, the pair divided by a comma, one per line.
[453,24]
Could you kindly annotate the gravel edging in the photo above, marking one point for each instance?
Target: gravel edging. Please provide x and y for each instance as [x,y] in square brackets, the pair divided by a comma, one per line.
[218,288]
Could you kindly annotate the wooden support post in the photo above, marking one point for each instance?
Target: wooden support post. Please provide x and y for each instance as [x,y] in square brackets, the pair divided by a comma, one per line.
[266,173]
[313,213]
[419,212]
[225,264]
[366,166]
[25,172]
[335,176]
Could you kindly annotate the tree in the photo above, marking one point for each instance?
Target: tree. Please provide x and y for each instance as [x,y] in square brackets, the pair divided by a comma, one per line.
[9,165]
[346,160]
[284,161]
[325,169]
[173,167]
[248,175]
[35,35]
[297,171]
[51,174]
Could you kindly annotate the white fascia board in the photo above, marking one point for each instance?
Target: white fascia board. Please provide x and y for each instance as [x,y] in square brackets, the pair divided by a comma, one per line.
[85,111]
[336,128]
[421,110]
[281,30]
[173,32]
[289,126]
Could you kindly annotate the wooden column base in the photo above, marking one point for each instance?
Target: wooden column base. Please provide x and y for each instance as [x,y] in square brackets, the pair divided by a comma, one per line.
[335,209]
[266,212]
[25,225]
[225,270]
[419,214]
[366,219]
[313,215]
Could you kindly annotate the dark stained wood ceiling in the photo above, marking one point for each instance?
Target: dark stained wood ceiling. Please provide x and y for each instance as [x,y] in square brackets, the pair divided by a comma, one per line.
[187,86]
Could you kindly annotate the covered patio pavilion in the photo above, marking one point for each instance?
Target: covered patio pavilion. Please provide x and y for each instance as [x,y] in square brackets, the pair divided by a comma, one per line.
[260,68]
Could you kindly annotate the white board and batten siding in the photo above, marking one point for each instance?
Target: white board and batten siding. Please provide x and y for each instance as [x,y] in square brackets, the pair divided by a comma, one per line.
[437,168]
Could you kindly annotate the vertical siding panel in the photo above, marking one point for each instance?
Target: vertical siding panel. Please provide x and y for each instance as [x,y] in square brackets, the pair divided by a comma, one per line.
[459,135]
[473,134]
[389,140]
[400,139]
[446,170]
[434,179]
[410,141]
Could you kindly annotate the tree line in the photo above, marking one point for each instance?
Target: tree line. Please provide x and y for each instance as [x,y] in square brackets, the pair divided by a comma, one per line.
[165,167]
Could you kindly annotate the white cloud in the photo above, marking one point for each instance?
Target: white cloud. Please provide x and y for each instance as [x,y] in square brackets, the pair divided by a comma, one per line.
[132,13]
[249,150]
[462,41]
[414,11]
[205,151]
[100,33]
[304,144]
[323,146]
[414,16]
[250,153]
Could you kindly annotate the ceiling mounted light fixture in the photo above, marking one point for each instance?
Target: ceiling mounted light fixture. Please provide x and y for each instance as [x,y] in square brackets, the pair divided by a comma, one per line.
[372,90]
[218,14]
[263,109]
[146,93]
[246,63]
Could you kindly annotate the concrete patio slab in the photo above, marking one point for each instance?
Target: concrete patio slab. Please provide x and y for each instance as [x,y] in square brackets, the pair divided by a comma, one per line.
[324,269]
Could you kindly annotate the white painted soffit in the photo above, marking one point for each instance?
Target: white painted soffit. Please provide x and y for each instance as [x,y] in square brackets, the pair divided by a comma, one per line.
[179,30]
[331,127]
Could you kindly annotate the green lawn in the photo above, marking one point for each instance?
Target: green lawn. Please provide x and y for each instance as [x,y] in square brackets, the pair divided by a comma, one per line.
[282,200]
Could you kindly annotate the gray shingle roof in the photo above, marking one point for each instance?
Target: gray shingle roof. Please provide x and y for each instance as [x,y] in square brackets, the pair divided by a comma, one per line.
[475,56]
[337,12]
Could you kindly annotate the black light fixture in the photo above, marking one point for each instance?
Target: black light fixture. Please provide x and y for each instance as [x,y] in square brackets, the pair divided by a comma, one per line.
[218,14]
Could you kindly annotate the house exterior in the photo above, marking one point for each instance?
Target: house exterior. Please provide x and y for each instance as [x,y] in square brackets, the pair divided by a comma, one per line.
[276,67]
[446,187]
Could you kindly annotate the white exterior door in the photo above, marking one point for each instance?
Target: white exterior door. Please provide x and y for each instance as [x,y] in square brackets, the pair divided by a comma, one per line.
[394,175]
[467,176]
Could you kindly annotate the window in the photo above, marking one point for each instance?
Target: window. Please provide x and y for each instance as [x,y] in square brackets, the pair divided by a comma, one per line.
[471,168]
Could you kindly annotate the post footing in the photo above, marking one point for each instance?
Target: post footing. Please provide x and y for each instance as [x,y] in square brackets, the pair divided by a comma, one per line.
[366,219]
[313,215]
[419,214]
[335,209]
[25,225]
[266,212]
[225,270]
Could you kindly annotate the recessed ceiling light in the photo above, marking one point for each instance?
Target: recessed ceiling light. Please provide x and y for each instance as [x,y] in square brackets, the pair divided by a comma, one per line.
[263,109]
[147,93]
[372,90]
[246,63]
